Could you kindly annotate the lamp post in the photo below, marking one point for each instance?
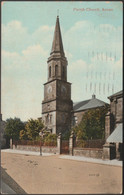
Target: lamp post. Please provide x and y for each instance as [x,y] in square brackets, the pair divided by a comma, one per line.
[41,135]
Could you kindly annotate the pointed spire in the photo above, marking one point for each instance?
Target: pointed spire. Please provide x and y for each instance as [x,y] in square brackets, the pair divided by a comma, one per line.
[57,46]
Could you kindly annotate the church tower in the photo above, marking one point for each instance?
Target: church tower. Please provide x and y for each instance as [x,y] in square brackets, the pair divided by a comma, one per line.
[57,104]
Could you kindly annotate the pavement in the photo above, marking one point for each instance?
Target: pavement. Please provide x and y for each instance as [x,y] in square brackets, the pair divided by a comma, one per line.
[114,162]
[5,189]
[93,160]
[67,174]
[26,152]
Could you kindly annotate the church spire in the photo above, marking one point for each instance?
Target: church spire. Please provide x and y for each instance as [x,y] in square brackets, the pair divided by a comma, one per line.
[57,45]
[57,62]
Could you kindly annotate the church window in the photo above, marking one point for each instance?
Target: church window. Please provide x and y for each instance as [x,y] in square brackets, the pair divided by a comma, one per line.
[50,118]
[56,70]
[48,106]
[47,118]
[63,71]
[50,71]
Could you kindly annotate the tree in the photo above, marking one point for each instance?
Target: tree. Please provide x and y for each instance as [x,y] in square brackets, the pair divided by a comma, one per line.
[33,127]
[23,135]
[13,127]
[92,125]
[50,138]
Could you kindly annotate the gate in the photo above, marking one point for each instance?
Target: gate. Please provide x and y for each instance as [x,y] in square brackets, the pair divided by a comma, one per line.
[112,151]
[65,147]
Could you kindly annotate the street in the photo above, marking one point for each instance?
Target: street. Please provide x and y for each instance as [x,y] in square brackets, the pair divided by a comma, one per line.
[53,175]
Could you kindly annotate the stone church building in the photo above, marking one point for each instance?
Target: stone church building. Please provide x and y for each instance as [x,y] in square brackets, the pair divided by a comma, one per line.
[57,104]
[58,111]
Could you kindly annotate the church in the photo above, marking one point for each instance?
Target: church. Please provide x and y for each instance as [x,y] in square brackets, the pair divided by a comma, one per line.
[57,104]
[59,113]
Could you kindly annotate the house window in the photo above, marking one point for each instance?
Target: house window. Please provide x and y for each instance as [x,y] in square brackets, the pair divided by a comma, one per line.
[76,120]
[50,71]
[56,70]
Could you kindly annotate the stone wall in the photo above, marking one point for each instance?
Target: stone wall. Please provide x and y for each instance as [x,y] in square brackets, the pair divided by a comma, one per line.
[49,106]
[119,113]
[88,152]
[50,120]
[2,132]
[50,90]
[63,90]
[45,149]
[74,151]
[107,125]
[78,117]
[116,104]
[50,149]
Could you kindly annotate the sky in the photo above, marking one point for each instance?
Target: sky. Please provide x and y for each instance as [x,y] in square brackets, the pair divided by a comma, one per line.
[92,39]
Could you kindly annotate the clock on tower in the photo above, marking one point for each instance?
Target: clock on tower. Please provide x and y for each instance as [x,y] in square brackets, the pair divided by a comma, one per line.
[57,103]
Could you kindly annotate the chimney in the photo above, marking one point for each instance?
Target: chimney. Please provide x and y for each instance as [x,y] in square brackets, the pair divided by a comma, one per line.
[93,96]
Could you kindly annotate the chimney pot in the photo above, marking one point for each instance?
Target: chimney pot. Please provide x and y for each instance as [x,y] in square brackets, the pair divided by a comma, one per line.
[93,96]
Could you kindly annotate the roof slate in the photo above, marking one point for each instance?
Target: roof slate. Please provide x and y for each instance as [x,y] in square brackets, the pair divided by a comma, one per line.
[116,135]
[116,94]
[88,104]
[77,105]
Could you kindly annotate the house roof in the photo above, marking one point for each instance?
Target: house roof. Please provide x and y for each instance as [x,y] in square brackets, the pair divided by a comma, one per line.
[116,135]
[116,94]
[88,104]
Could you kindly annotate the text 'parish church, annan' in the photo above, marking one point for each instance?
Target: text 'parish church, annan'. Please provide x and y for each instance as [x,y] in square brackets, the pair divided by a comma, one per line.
[58,111]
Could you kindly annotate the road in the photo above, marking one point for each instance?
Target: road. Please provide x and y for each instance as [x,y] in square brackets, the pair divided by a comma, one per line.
[53,175]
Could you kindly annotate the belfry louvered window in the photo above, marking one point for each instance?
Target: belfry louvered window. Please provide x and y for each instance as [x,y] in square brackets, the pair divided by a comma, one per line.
[56,70]
[50,71]
[63,71]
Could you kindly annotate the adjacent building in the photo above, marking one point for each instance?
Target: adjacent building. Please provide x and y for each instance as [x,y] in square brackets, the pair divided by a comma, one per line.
[2,134]
[114,127]
[79,108]
[115,115]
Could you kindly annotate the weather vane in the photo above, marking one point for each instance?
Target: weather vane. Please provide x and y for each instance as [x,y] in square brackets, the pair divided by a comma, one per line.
[57,12]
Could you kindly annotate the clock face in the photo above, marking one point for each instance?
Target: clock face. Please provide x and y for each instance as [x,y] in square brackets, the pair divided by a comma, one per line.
[49,89]
[63,89]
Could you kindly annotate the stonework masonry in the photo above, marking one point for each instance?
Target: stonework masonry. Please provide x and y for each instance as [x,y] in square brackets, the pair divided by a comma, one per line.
[115,115]
[93,153]
[78,116]
[45,149]
[2,133]
[57,104]
[113,118]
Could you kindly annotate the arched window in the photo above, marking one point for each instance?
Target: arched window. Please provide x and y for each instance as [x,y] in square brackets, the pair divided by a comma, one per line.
[50,118]
[63,71]
[50,71]
[56,70]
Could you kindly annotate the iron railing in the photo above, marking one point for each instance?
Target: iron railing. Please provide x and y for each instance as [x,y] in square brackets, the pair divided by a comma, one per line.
[89,143]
